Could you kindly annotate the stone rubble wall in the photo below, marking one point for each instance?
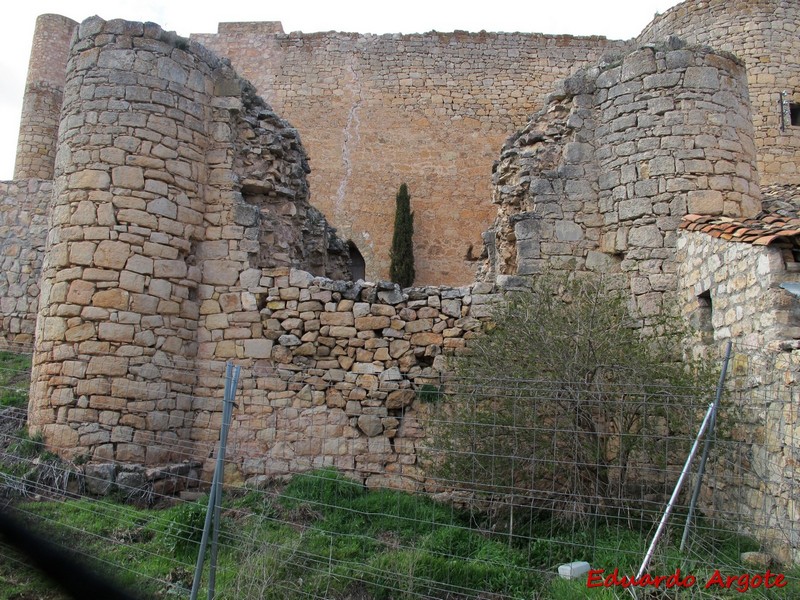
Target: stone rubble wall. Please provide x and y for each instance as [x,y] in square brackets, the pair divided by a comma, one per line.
[601,177]
[751,475]
[44,91]
[429,110]
[763,33]
[24,209]
[332,371]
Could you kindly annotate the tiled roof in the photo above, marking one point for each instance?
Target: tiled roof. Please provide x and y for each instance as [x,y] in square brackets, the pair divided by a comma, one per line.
[761,231]
[779,221]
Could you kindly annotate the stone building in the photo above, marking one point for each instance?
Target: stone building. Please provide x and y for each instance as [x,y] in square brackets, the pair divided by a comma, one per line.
[160,221]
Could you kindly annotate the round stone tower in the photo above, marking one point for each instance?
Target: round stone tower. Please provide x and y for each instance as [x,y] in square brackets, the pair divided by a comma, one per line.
[44,94]
[763,33]
[115,335]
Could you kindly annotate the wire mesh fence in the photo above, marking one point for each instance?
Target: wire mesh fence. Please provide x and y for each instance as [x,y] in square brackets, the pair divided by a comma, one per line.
[470,489]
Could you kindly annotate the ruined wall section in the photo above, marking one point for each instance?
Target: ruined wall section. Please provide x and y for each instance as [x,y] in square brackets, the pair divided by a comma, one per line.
[600,179]
[44,93]
[162,150]
[763,33]
[24,207]
[545,189]
[118,309]
[676,137]
[332,378]
[430,110]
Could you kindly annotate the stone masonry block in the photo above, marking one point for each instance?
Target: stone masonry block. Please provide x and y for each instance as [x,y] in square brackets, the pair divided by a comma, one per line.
[111,254]
[701,77]
[128,177]
[706,202]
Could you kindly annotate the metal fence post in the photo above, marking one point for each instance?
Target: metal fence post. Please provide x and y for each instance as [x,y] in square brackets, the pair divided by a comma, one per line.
[226,423]
[702,467]
[215,494]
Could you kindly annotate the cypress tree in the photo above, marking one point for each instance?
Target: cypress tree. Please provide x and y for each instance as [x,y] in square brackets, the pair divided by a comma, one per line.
[402,254]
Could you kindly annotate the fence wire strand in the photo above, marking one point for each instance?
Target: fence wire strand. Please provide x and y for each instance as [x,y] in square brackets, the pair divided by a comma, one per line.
[504,485]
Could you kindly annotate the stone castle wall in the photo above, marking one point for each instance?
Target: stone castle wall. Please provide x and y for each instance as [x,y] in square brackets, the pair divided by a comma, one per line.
[172,178]
[334,377]
[600,179]
[763,33]
[430,110]
[179,235]
[732,290]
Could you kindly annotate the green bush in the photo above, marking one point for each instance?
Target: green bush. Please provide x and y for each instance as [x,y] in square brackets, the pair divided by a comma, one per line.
[563,403]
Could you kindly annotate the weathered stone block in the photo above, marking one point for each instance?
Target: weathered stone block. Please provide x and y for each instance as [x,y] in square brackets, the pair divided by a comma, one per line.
[426,339]
[220,272]
[701,77]
[336,318]
[371,322]
[128,177]
[115,332]
[89,179]
[371,425]
[706,202]
[258,348]
[111,254]
[111,298]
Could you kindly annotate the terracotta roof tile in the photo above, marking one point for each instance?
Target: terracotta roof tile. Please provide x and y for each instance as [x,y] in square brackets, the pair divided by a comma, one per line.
[763,230]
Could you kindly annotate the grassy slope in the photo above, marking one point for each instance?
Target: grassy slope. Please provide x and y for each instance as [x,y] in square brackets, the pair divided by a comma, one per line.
[324,536]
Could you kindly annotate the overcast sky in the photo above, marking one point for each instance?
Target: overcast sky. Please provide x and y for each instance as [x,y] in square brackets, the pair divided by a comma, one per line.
[615,19]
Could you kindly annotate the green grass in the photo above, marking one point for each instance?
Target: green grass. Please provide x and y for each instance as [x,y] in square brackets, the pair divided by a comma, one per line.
[14,379]
[324,535]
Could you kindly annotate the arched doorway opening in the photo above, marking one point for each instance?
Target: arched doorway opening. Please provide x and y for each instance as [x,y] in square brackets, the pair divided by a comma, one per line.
[357,265]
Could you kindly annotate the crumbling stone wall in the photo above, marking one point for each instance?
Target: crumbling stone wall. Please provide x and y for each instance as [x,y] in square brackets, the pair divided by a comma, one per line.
[333,378]
[763,33]
[429,110]
[601,177]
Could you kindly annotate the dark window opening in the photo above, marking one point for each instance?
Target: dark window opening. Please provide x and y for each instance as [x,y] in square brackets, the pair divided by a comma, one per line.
[794,114]
[357,265]
[702,319]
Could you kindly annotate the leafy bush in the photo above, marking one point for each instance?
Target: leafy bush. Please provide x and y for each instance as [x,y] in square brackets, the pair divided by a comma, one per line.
[562,405]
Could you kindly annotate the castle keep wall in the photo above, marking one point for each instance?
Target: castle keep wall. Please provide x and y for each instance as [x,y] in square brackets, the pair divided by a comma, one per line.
[430,110]
[44,91]
[763,33]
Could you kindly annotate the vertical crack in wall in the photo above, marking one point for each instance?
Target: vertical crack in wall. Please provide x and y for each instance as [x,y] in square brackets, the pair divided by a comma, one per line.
[351,137]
